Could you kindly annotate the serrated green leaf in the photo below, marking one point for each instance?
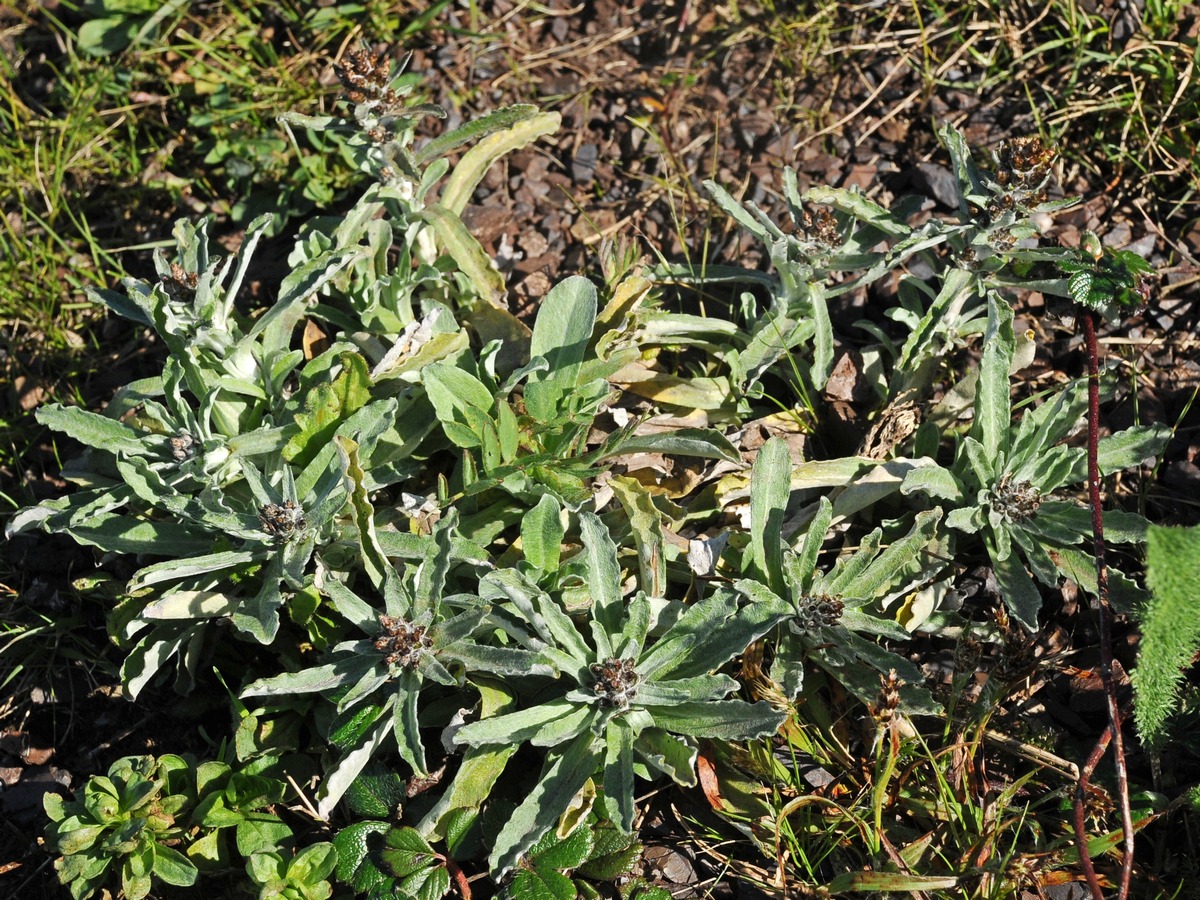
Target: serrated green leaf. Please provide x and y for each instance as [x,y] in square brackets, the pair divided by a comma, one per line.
[541,884]
[377,792]
[355,862]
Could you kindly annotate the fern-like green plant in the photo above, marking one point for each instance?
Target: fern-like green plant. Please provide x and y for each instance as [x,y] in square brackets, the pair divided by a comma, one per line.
[1170,627]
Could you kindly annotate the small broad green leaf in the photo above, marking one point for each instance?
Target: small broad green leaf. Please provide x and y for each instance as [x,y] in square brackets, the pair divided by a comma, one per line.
[260,831]
[313,864]
[561,334]
[452,389]
[326,406]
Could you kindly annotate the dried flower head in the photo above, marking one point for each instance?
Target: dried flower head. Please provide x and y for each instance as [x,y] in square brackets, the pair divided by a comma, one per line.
[1023,869]
[883,710]
[181,284]
[282,520]
[1024,162]
[1097,804]
[1024,167]
[1015,501]
[183,446]
[366,78]
[616,682]
[402,643]
[822,229]
[819,611]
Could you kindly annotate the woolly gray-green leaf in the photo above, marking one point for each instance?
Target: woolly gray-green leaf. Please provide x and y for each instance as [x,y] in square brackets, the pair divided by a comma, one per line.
[348,768]
[542,534]
[705,443]
[517,727]
[97,431]
[310,681]
[562,777]
[603,575]
[993,408]
[719,720]
[770,488]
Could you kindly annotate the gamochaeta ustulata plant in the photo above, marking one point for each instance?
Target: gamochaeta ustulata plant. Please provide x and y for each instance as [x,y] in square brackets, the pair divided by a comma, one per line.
[499,573]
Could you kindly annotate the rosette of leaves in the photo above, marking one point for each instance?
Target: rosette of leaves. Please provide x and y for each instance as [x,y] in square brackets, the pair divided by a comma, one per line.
[217,467]
[438,258]
[304,876]
[839,241]
[125,822]
[1006,482]
[418,639]
[627,701]
[830,616]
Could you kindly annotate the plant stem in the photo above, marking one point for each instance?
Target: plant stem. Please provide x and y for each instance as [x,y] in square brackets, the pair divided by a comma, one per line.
[1088,319]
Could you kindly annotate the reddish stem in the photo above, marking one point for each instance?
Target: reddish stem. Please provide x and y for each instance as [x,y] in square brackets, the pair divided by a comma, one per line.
[1105,627]
[459,876]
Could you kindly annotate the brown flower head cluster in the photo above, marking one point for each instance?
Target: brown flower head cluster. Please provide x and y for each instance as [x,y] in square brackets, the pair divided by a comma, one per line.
[1015,501]
[282,520]
[1024,168]
[819,611]
[181,284]
[402,643]
[616,682]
